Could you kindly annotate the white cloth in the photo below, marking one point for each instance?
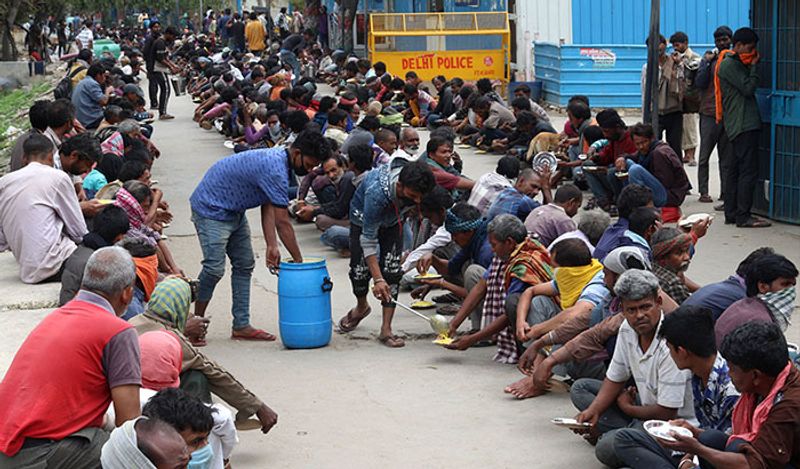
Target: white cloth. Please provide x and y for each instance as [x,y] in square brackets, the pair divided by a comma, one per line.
[577,234]
[439,239]
[658,379]
[40,220]
[401,153]
[486,189]
[121,450]
[85,37]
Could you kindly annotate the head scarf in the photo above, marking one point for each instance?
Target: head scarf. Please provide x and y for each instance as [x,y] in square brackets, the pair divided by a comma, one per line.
[572,280]
[664,248]
[170,302]
[454,224]
[147,273]
[121,450]
[162,360]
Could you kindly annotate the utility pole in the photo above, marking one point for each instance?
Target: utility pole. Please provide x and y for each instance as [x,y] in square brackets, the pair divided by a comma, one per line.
[651,80]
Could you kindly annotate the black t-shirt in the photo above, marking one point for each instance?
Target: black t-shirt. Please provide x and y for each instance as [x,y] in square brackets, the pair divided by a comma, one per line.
[293,43]
[237,32]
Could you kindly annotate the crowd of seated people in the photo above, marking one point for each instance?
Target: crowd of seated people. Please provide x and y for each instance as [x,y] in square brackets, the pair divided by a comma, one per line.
[570,296]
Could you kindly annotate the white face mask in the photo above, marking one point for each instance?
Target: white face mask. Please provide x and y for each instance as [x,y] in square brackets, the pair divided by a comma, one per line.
[275,130]
[411,150]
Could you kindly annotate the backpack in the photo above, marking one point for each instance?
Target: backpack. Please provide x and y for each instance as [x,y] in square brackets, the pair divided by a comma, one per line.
[64,87]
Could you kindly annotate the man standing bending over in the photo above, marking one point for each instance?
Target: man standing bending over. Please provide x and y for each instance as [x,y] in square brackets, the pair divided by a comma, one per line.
[255,178]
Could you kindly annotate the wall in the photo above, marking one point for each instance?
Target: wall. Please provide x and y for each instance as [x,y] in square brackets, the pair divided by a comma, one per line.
[628,21]
[540,20]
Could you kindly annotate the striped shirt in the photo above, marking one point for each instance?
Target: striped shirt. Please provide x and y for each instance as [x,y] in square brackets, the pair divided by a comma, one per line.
[85,37]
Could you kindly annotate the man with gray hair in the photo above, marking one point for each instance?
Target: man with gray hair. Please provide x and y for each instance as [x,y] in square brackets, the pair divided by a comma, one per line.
[82,351]
[409,144]
[591,226]
[662,392]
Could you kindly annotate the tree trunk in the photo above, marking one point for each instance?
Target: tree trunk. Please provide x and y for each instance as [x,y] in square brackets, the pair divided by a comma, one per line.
[9,47]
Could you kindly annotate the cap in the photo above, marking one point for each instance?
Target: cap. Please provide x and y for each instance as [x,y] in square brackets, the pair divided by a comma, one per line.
[625,258]
[131,88]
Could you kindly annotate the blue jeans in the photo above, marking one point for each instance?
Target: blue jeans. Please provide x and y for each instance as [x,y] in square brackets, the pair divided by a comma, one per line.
[289,58]
[218,239]
[600,184]
[638,175]
[336,237]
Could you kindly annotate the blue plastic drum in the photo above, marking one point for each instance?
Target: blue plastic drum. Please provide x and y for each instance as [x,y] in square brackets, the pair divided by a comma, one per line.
[304,304]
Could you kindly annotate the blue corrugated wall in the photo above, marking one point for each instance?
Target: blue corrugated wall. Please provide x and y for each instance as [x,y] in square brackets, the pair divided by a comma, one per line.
[628,21]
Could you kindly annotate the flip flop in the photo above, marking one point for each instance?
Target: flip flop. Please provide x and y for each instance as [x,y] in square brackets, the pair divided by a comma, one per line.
[392,341]
[754,223]
[256,334]
[353,323]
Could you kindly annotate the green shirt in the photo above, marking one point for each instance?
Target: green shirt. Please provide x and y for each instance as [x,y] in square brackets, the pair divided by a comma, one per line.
[739,108]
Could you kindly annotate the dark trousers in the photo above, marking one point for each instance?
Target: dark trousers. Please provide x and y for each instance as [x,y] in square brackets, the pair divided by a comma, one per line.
[711,135]
[741,177]
[390,243]
[672,124]
[159,91]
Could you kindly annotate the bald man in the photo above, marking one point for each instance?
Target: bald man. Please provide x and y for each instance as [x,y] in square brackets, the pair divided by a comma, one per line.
[162,444]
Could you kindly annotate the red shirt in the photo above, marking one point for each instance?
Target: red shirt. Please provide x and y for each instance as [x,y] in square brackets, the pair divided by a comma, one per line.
[57,383]
[617,148]
[445,179]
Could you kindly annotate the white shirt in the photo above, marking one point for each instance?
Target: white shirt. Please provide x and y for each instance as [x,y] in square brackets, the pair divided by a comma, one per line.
[658,379]
[40,220]
[85,37]
[401,153]
[439,239]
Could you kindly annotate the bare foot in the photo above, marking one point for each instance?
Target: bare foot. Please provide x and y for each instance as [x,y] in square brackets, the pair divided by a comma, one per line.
[516,385]
[524,389]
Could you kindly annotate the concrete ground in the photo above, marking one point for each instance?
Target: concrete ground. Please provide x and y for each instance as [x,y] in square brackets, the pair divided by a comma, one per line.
[357,403]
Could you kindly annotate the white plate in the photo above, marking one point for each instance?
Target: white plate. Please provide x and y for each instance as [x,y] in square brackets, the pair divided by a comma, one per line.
[694,218]
[228,144]
[663,430]
[569,423]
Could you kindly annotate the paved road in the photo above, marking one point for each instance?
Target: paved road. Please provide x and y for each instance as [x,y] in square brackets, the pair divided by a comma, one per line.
[357,403]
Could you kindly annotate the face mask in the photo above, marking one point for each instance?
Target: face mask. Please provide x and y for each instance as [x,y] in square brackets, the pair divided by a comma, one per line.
[202,458]
[412,150]
[275,130]
[781,305]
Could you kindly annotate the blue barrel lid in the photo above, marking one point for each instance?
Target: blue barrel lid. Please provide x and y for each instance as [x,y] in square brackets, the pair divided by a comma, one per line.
[308,263]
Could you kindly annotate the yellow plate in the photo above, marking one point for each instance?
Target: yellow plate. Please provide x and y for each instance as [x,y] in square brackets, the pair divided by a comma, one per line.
[427,276]
[422,305]
[105,201]
[443,340]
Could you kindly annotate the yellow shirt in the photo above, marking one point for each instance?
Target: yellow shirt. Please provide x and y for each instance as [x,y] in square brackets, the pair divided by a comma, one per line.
[255,34]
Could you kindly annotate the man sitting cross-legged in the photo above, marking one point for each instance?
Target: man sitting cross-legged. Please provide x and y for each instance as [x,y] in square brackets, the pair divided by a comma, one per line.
[662,391]
[764,432]
[689,332]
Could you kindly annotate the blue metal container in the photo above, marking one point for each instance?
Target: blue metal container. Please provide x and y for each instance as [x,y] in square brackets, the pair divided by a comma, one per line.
[304,304]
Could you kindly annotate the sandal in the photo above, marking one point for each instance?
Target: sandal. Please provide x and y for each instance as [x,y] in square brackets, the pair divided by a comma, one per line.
[255,334]
[706,199]
[348,323]
[754,223]
[392,341]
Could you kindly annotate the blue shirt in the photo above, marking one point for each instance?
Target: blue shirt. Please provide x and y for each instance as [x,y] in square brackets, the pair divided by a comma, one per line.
[714,400]
[718,296]
[375,205]
[513,202]
[86,99]
[479,251]
[612,238]
[243,181]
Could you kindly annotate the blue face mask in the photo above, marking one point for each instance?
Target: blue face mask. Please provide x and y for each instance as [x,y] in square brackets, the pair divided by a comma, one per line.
[202,458]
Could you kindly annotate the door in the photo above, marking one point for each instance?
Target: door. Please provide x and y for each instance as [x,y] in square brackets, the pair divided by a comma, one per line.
[778,25]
